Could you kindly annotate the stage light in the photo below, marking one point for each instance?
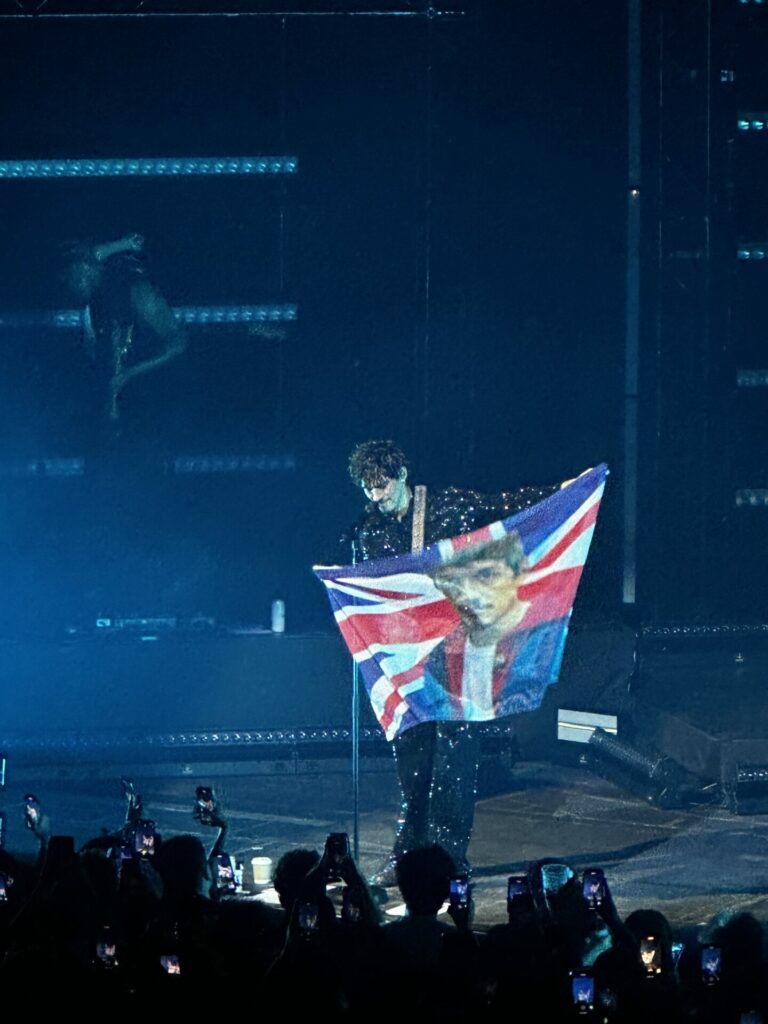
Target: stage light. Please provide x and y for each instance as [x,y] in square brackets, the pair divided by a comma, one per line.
[148,167]
[53,467]
[260,463]
[578,726]
[752,378]
[235,314]
[752,122]
[661,780]
[753,497]
[73,318]
[752,251]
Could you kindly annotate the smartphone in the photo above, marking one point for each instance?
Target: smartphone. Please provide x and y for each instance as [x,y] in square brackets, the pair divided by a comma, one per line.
[106,950]
[170,963]
[650,955]
[519,896]
[225,873]
[677,952]
[3,766]
[308,918]
[31,810]
[205,805]
[594,887]
[459,892]
[337,848]
[582,991]
[351,905]
[337,845]
[711,964]
[145,838]
[123,852]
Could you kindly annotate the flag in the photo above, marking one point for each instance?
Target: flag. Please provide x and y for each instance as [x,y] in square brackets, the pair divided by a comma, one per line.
[472,628]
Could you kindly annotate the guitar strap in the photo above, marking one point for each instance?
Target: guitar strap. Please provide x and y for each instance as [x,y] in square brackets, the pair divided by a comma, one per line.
[419,513]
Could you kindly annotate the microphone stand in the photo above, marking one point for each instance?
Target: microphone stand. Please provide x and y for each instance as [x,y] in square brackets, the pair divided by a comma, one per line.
[355,715]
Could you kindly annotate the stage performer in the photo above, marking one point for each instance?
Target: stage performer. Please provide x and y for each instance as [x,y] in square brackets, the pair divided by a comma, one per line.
[129,327]
[437,761]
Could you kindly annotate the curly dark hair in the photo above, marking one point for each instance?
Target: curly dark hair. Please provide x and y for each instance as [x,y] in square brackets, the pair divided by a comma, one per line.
[373,462]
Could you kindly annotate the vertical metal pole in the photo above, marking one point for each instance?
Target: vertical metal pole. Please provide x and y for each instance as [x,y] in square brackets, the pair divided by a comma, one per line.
[355,729]
[355,761]
[632,331]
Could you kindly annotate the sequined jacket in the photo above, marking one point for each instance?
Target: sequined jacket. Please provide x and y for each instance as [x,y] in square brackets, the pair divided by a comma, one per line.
[449,512]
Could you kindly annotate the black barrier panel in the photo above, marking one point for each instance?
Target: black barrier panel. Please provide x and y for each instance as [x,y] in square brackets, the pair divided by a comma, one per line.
[177,683]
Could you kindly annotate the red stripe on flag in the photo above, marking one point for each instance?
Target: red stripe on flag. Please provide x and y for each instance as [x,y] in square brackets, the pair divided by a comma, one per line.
[395,698]
[588,519]
[466,540]
[551,597]
[410,625]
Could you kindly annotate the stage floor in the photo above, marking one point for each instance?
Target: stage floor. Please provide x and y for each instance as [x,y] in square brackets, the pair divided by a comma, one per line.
[691,864]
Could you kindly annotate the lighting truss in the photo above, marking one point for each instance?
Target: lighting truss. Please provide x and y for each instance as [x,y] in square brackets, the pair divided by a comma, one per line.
[149,167]
[73,318]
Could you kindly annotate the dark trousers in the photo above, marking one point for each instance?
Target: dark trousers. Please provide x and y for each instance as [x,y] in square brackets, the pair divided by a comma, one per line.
[437,766]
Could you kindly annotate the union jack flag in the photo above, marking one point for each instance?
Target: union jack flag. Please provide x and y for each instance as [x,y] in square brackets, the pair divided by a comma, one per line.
[474,627]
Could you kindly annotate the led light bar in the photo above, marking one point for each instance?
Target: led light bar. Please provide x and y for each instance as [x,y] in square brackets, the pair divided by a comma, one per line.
[752,251]
[724,629]
[754,497]
[234,314]
[232,738]
[203,464]
[56,467]
[149,167]
[755,121]
[71,318]
[752,378]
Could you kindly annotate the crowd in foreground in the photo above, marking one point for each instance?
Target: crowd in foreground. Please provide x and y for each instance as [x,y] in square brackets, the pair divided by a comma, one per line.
[132,922]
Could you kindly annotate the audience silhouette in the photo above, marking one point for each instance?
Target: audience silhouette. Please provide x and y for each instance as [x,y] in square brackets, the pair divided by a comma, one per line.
[149,924]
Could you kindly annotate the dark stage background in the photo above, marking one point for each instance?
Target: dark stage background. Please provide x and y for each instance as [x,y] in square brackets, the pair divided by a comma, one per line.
[492,201]
[454,242]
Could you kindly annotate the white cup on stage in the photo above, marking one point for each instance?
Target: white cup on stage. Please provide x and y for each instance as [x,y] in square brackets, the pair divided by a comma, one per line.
[262,870]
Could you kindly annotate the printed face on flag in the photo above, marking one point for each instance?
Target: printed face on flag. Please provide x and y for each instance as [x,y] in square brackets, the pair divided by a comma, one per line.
[474,627]
[482,584]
